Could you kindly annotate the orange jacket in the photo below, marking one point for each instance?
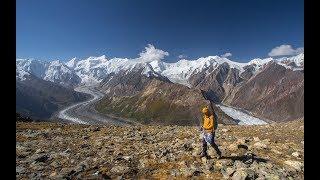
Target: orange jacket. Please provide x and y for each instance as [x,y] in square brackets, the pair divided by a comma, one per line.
[208,122]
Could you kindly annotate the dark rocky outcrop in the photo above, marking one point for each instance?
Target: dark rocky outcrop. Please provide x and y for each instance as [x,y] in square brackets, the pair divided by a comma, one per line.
[39,99]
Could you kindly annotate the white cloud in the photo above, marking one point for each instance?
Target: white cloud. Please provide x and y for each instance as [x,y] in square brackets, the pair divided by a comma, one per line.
[151,54]
[285,50]
[226,55]
[182,56]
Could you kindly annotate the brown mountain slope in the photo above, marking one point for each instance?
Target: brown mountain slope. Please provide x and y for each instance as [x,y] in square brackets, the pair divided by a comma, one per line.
[276,93]
[158,103]
[153,99]
[216,82]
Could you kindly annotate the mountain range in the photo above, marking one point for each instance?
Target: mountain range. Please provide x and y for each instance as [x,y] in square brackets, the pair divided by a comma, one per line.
[95,69]
[155,90]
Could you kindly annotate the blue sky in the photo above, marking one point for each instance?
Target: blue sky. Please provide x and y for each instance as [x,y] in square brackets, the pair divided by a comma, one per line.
[63,29]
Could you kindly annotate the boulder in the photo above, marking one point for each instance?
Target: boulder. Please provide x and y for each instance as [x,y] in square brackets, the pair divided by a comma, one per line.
[295,154]
[240,175]
[119,169]
[227,172]
[260,145]
[239,165]
[256,139]
[224,130]
[295,164]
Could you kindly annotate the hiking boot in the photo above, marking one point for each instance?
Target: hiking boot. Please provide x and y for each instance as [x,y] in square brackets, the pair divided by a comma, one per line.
[203,154]
[219,156]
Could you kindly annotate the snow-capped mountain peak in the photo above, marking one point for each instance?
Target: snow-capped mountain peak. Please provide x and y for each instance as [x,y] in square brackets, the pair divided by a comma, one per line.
[103,57]
[72,63]
[94,69]
[22,74]
[259,61]
[298,60]
[32,66]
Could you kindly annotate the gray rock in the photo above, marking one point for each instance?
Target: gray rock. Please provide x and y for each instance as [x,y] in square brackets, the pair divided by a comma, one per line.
[227,172]
[260,145]
[20,169]
[95,129]
[224,130]
[67,150]
[276,151]
[65,171]
[233,147]
[174,172]
[80,168]
[240,175]
[260,178]
[38,166]
[34,175]
[204,160]
[251,174]
[39,151]
[55,164]
[222,163]
[120,169]
[239,165]
[272,176]
[254,165]
[295,164]
[261,171]
[266,141]
[269,165]
[187,147]
[127,158]
[295,154]
[186,171]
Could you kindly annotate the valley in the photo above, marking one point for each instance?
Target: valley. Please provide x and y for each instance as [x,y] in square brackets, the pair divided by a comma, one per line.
[84,112]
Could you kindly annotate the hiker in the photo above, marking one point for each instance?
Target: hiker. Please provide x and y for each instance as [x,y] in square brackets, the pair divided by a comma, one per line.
[208,128]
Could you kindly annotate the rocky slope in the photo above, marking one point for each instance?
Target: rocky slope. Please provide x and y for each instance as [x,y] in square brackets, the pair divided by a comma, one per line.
[275,93]
[217,82]
[56,151]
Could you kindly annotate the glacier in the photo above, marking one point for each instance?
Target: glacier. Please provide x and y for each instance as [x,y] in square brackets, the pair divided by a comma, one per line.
[244,118]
